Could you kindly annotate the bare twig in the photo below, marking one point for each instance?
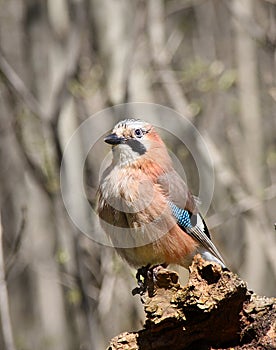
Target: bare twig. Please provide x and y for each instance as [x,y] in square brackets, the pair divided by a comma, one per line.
[250,25]
[16,243]
[61,90]
[242,206]
[176,6]
[73,54]
[138,28]
[32,166]
[51,116]
[4,300]
[161,59]
[17,84]
[250,204]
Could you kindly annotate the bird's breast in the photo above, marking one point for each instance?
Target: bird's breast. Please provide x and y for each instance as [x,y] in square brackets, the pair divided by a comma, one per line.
[127,191]
[136,216]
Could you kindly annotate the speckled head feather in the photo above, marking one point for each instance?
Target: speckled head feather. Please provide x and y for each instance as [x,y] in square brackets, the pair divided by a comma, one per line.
[127,128]
[134,140]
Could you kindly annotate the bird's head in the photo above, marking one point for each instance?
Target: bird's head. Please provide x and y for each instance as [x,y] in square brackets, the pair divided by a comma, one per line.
[132,139]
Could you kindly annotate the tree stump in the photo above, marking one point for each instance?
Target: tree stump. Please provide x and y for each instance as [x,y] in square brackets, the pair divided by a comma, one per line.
[215,310]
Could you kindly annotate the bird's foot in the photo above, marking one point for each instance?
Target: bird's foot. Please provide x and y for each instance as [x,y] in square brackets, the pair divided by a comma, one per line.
[147,277]
[141,276]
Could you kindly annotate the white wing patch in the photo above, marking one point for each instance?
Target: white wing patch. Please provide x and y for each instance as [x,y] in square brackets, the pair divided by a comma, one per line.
[200,223]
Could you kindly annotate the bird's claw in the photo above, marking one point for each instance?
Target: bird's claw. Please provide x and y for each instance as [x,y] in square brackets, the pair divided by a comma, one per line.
[146,278]
[141,276]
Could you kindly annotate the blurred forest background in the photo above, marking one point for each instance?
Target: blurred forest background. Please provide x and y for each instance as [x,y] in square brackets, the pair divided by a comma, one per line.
[213,61]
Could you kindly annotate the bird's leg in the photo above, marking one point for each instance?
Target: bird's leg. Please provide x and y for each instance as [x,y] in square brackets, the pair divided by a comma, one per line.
[152,277]
[142,273]
[155,270]
[141,276]
[147,277]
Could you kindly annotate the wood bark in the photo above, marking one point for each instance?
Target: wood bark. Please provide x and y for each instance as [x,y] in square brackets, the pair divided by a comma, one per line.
[215,310]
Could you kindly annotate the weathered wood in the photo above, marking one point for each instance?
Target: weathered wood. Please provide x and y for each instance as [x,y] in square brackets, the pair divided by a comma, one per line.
[215,310]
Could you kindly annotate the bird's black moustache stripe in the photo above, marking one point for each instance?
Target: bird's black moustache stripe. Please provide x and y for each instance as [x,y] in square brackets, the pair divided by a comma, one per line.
[136,146]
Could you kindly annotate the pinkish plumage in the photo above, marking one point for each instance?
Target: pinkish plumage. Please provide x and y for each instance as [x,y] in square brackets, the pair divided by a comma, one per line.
[136,195]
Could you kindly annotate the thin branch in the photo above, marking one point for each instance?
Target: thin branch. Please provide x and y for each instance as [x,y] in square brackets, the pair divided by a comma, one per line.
[73,50]
[177,6]
[17,85]
[73,54]
[61,90]
[52,115]
[16,244]
[161,59]
[138,28]
[34,169]
[250,25]
[250,204]
[4,301]
[242,206]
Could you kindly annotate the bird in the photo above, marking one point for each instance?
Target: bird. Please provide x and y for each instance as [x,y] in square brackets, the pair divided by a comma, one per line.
[145,207]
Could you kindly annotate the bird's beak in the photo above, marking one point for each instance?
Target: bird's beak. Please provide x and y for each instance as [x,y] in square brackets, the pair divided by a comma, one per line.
[114,139]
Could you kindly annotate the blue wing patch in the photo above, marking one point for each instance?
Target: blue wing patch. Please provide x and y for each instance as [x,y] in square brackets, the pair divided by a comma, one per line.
[182,216]
[187,220]
[195,226]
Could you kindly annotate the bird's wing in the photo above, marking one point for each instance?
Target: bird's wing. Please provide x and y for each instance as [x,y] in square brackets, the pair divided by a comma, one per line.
[205,241]
[194,225]
[184,208]
[176,190]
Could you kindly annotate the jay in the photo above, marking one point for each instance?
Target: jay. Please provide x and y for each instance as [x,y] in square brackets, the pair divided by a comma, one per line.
[145,207]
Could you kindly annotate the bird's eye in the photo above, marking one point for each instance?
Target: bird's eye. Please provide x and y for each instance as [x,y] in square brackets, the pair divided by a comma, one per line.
[138,132]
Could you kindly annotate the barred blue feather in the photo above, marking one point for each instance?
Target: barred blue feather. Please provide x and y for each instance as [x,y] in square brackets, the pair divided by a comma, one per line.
[195,226]
[182,216]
